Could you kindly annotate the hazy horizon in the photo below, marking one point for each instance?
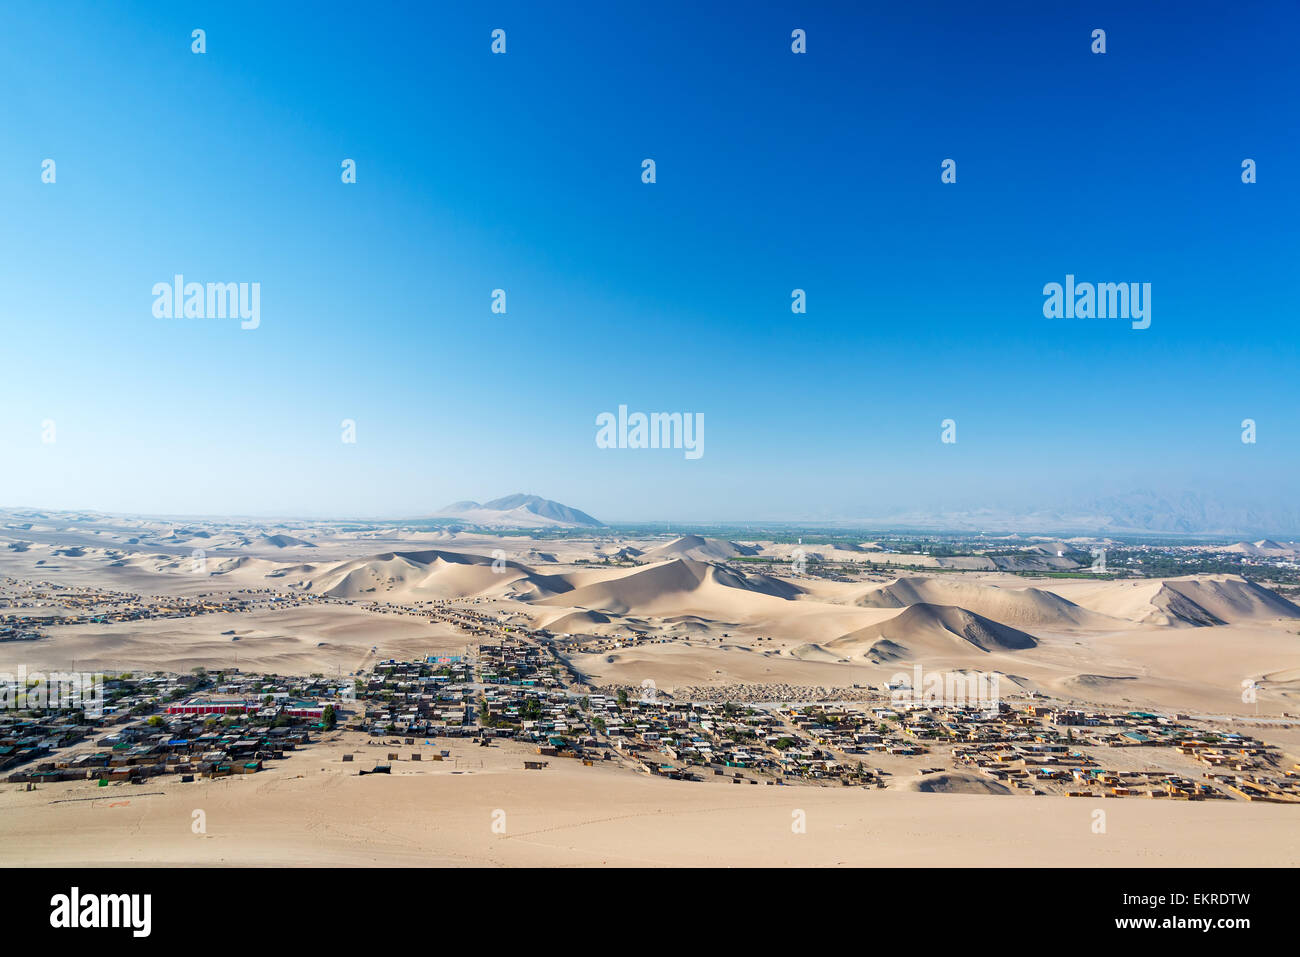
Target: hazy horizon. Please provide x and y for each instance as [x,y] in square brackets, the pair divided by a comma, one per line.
[1174,522]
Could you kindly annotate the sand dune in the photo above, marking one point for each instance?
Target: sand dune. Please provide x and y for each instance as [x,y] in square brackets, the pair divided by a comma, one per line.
[572,621]
[676,584]
[1013,606]
[284,541]
[1098,640]
[244,567]
[698,548]
[814,652]
[1191,600]
[1263,548]
[432,574]
[924,628]
[1088,683]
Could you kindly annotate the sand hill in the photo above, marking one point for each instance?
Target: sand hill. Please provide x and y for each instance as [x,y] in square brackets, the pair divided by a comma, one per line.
[1203,600]
[924,629]
[284,541]
[678,585]
[572,621]
[1013,606]
[1265,548]
[699,548]
[432,574]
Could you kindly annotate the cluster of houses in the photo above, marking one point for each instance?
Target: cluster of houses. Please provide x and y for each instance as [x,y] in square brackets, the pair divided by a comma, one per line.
[24,739]
[1027,747]
[19,630]
[513,689]
[186,744]
[1047,750]
[514,685]
[193,725]
[31,604]
[472,622]
[522,698]
[685,738]
[416,698]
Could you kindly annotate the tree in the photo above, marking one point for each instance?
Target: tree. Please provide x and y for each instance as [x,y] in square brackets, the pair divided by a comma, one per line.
[328,717]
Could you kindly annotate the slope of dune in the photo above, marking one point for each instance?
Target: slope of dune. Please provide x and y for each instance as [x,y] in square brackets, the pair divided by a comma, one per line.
[1092,684]
[674,584]
[244,568]
[572,621]
[284,541]
[432,574]
[1232,598]
[1264,548]
[699,548]
[810,651]
[1191,600]
[1012,606]
[924,628]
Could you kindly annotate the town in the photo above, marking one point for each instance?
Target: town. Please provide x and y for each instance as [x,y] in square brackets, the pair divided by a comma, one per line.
[516,692]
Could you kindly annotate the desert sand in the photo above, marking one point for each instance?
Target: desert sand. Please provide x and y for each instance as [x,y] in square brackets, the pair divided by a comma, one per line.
[314,809]
[687,612]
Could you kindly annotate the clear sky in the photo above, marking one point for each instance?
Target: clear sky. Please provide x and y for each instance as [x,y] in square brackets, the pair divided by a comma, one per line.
[523,172]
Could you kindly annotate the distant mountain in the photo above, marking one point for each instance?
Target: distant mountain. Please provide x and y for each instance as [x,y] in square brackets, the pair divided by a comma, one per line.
[518,511]
[1143,511]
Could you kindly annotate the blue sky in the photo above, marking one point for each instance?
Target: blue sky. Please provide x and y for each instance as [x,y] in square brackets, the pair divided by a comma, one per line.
[522,171]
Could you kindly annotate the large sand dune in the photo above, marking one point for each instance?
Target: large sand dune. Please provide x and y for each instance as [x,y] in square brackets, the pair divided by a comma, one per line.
[1021,607]
[678,585]
[424,575]
[1191,600]
[928,629]
[698,548]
